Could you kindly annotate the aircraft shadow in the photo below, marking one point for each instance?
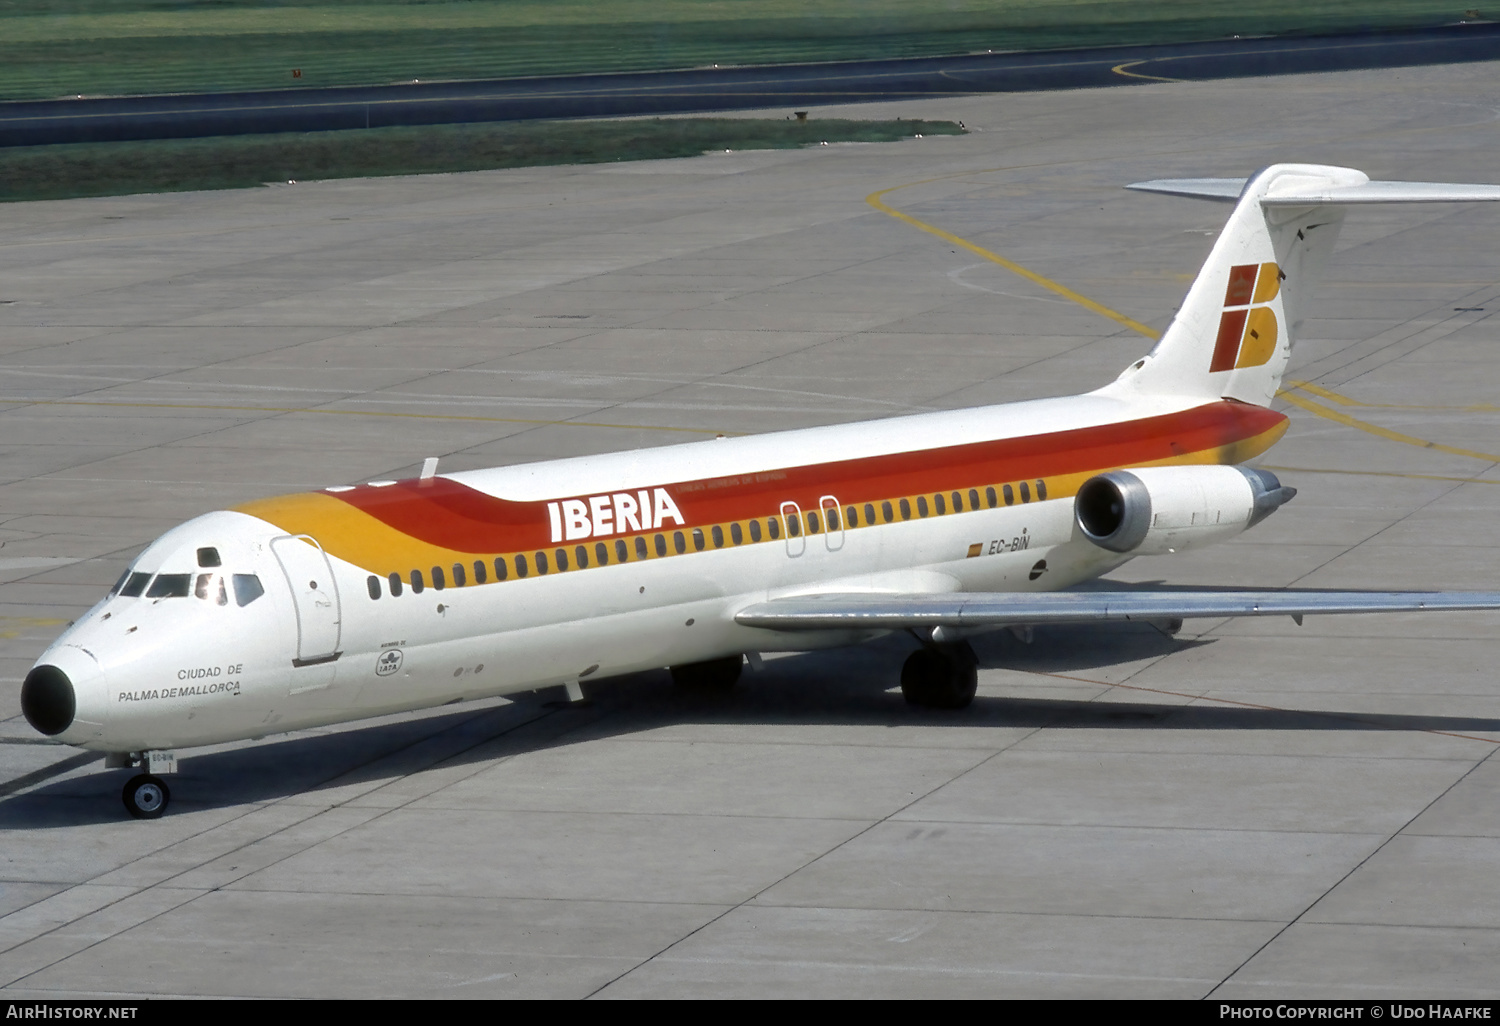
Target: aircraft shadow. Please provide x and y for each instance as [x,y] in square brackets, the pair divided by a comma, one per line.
[844,687]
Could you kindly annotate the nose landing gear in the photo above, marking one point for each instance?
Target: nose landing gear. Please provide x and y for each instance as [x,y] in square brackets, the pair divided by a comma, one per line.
[145,796]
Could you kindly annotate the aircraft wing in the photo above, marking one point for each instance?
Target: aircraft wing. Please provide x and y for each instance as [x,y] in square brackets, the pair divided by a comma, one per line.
[867,611]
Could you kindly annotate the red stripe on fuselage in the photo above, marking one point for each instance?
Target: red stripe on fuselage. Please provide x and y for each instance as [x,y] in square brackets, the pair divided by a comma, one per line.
[454,516]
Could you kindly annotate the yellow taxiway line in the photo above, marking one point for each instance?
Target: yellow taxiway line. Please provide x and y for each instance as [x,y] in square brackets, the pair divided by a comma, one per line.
[876,200]
[1119,69]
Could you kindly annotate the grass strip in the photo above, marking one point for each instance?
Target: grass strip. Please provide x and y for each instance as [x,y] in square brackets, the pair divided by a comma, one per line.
[241,161]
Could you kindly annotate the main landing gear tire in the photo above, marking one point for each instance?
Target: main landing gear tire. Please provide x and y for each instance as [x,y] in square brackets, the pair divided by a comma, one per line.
[710,676]
[145,796]
[935,679]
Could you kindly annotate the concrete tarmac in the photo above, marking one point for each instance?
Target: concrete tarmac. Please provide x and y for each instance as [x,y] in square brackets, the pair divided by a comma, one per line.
[1248,810]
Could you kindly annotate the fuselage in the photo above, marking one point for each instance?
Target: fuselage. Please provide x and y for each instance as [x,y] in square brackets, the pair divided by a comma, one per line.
[361,600]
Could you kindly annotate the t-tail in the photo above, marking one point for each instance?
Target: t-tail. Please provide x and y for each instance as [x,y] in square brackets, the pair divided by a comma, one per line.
[1233,336]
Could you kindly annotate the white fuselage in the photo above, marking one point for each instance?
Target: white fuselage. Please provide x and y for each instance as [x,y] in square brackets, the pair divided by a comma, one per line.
[321,636]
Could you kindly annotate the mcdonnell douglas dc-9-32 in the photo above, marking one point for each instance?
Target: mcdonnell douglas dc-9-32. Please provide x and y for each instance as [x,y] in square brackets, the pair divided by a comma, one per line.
[390,596]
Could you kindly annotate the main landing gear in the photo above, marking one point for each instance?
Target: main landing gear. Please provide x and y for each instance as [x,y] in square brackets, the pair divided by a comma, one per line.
[941,676]
[145,796]
[711,676]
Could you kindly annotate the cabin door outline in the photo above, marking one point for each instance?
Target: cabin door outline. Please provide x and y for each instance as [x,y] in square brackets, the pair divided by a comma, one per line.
[315,594]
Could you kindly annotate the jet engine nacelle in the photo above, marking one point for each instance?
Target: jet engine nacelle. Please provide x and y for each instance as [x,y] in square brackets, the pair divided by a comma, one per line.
[1152,510]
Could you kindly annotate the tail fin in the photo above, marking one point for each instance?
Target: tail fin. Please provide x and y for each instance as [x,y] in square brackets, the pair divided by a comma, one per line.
[1233,335]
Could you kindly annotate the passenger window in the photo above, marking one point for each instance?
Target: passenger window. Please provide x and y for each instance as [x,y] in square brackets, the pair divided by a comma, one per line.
[170,586]
[938,504]
[459,577]
[958,502]
[973,498]
[208,557]
[541,563]
[137,584]
[698,539]
[601,553]
[886,511]
[679,542]
[395,580]
[1025,492]
[773,527]
[581,556]
[812,522]
[372,583]
[417,585]
[247,589]
[718,533]
[831,517]
[622,552]
[210,588]
[793,527]
[905,510]
[661,545]
[1041,490]
[439,579]
[640,547]
[921,505]
[562,560]
[500,568]
[1010,496]
[851,517]
[989,495]
[869,513]
[754,530]
[480,571]
[521,566]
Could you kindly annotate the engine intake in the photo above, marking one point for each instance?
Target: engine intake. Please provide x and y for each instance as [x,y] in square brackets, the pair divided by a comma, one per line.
[1166,509]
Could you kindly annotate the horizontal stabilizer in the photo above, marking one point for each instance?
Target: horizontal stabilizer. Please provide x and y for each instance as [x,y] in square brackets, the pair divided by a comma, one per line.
[864,611]
[1227,189]
[1380,192]
[1300,192]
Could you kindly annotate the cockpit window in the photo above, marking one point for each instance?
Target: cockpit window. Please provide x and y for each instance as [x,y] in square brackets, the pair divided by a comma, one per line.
[136,584]
[121,582]
[208,557]
[247,589]
[170,586]
[210,588]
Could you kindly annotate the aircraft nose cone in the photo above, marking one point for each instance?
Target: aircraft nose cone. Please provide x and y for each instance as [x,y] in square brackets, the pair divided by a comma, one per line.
[48,699]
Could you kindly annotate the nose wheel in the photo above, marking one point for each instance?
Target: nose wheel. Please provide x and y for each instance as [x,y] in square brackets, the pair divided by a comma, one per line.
[145,796]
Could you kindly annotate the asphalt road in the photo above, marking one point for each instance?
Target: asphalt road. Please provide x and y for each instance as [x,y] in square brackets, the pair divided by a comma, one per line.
[33,123]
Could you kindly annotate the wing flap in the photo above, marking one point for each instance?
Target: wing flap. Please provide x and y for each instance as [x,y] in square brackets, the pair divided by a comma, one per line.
[998,609]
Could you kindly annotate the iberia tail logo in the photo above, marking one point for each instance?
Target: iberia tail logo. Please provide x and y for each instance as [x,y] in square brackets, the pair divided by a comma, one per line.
[1247,329]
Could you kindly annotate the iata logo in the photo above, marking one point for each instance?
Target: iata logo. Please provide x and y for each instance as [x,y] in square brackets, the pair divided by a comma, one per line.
[1247,335]
[388,662]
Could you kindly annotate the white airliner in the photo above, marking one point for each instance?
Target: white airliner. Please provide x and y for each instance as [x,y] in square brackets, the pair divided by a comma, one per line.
[363,600]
